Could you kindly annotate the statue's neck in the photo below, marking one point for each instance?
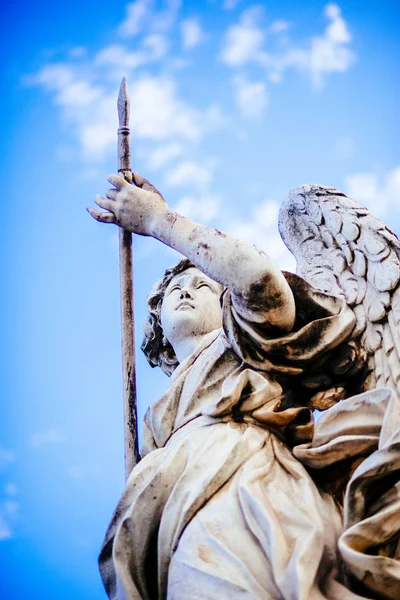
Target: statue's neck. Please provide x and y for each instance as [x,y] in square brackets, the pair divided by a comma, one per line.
[185,347]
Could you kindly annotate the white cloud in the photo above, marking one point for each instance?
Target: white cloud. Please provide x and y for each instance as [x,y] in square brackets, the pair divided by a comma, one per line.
[77,52]
[141,15]
[191,174]
[162,155]
[5,529]
[10,489]
[52,436]
[159,113]
[85,106]
[118,56]
[337,30]
[157,45]
[251,97]
[243,41]
[6,457]
[85,90]
[78,94]
[202,208]
[10,508]
[69,87]
[330,52]
[261,228]
[165,19]
[279,26]
[8,513]
[380,194]
[230,4]
[137,15]
[192,34]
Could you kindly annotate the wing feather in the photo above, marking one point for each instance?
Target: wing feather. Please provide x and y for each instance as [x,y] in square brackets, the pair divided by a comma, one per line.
[342,249]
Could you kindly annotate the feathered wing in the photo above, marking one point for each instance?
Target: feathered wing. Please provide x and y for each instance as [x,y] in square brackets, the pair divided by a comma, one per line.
[343,250]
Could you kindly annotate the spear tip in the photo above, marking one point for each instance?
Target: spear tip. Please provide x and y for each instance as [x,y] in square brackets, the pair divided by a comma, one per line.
[123,104]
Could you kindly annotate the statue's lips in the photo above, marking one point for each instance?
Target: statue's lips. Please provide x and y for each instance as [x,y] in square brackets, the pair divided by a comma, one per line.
[184,305]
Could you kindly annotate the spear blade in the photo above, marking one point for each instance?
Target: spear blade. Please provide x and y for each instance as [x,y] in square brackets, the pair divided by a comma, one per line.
[126,281]
[123,104]
[124,151]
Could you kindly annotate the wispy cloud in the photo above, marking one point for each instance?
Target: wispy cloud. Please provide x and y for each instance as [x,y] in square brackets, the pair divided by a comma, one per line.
[143,48]
[137,15]
[162,155]
[10,489]
[160,114]
[142,16]
[5,529]
[6,457]
[279,26]
[51,436]
[85,93]
[77,52]
[203,208]
[246,43]
[380,193]
[230,4]
[166,18]
[120,57]
[261,228]
[330,52]
[190,174]
[192,34]
[9,509]
[251,96]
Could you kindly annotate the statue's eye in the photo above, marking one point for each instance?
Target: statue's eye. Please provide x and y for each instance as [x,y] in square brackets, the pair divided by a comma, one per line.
[175,287]
[203,284]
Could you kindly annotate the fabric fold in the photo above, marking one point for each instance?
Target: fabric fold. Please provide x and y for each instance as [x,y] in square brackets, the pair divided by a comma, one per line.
[221,507]
[365,427]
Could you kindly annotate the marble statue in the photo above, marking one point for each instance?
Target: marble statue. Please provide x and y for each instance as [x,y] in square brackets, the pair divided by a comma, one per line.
[239,493]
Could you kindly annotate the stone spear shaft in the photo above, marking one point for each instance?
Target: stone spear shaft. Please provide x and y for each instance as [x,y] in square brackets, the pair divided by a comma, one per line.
[126,279]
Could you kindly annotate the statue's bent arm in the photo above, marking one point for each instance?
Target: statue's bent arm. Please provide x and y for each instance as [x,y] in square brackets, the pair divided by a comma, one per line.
[260,291]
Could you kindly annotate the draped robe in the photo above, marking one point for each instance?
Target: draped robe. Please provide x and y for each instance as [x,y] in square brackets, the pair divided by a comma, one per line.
[222,506]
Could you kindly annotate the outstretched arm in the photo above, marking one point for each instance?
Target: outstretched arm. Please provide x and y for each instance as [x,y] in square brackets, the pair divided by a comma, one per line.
[260,291]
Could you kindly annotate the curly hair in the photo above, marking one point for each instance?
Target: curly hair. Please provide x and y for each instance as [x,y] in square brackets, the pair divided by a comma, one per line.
[159,353]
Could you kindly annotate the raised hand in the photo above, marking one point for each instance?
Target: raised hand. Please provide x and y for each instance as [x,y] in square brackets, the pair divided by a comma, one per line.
[137,208]
[260,291]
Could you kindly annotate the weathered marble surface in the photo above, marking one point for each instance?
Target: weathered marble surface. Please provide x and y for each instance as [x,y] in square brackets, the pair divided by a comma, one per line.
[238,496]
[342,249]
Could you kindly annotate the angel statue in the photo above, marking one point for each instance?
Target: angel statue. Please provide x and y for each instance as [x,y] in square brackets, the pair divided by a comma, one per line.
[239,493]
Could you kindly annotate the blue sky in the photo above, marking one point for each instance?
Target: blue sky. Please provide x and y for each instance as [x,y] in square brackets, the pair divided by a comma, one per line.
[233,103]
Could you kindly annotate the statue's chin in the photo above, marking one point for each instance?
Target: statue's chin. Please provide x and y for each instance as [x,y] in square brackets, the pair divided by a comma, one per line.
[188,322]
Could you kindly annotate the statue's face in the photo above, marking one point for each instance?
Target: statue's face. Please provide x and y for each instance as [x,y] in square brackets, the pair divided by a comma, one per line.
[191,305]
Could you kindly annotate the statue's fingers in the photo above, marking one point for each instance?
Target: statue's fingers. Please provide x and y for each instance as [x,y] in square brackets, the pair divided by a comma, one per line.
[117,181]
[102,217]
[144,183]
[103,203]
[112,194]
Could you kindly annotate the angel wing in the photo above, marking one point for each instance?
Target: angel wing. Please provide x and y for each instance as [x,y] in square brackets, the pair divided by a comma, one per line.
[343,250]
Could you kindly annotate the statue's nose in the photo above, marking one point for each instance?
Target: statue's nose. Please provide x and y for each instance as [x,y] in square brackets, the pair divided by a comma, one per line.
[185,294]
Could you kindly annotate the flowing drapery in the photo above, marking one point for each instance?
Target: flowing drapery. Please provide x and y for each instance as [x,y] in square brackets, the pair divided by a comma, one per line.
[220,507]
